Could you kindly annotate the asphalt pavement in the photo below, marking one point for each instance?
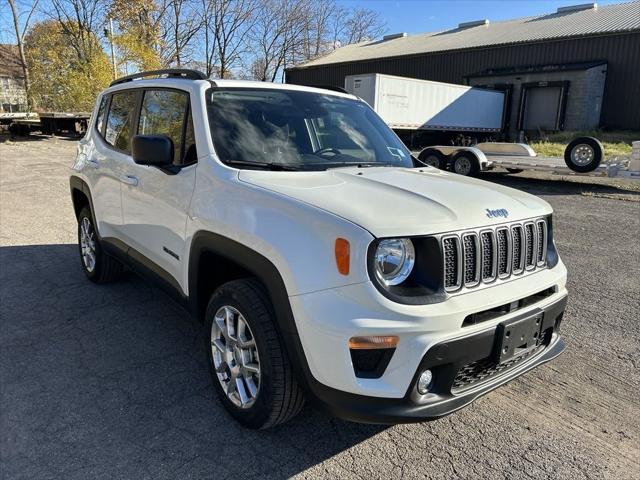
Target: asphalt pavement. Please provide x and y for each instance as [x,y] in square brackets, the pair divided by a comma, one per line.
[111,381]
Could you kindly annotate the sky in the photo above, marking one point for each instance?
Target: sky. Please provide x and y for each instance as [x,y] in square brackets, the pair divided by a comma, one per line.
[419,16]
[412,16]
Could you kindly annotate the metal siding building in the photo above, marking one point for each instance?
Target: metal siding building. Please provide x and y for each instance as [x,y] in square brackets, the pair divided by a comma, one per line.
[608,35]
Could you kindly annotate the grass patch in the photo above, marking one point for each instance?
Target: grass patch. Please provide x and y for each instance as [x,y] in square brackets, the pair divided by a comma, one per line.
[616,144]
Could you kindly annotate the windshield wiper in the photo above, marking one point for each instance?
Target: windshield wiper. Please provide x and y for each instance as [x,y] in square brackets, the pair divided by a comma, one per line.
[359,164]
[265,165]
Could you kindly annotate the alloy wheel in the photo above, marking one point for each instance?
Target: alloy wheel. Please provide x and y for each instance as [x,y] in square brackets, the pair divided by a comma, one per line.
[87,244]
[235,356]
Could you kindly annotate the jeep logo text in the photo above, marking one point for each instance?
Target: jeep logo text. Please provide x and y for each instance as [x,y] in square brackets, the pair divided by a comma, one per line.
[500,212]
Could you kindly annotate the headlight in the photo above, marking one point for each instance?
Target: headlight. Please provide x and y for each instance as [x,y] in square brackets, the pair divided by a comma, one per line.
[394,259]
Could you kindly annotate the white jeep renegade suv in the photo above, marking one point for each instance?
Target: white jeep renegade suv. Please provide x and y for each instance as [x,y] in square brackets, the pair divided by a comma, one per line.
[326,263]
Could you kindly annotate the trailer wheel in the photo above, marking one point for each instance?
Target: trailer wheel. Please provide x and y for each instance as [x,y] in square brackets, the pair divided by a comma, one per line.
[584,154]
[467,164]
[433,158]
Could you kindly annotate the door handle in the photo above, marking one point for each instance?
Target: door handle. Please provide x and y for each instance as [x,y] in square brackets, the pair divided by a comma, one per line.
[130,180]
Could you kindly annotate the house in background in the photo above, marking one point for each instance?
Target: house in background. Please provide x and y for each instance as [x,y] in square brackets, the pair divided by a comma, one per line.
[13,96]
[577,68]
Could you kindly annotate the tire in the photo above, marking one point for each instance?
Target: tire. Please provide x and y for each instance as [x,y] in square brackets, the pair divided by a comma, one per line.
[275,397]
[104,268]
[515,170]
[433,158]
[584,154]
[466,163]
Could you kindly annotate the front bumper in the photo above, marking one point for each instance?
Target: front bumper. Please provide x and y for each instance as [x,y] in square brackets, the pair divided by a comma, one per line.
[431,337]
[445,360]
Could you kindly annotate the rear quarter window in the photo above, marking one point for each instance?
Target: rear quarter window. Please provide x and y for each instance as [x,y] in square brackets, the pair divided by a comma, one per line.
[102,111]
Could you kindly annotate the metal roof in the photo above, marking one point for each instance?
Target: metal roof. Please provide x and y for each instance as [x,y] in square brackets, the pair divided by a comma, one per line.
[622,17]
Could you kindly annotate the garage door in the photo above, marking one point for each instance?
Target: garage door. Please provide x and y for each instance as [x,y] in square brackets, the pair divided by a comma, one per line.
[542,108]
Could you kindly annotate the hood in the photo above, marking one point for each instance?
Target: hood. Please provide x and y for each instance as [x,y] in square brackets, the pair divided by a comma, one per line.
[390,201]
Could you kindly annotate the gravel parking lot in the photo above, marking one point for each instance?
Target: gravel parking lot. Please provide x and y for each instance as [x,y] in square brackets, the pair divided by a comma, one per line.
[111,381]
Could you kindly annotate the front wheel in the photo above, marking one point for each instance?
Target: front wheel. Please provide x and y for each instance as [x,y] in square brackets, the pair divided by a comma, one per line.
[250,370]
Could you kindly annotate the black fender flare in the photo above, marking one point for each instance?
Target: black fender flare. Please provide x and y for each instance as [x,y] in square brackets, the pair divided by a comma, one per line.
[76,183]
[318,394]
[265,271]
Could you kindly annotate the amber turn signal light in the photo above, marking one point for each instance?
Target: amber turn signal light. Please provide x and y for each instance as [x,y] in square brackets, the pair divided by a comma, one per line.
[372,342]
[342,251]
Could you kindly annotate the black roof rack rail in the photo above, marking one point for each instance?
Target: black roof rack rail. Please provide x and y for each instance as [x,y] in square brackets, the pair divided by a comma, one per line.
[169,72]
[331,87]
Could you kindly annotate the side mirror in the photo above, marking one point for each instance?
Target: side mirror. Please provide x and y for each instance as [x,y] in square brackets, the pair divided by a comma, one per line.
[152,150]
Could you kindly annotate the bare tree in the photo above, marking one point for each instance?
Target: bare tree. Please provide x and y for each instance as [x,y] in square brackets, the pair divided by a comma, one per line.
[80,21]
[320,17]
[232,19]
[207,7]
[20,34]
[180,25]
[276,36]
[362,24]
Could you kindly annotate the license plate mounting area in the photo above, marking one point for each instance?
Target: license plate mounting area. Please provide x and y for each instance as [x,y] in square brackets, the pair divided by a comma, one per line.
[517,336]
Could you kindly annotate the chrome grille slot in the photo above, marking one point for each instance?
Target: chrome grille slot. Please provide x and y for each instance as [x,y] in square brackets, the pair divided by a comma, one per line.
[452,263]
[530,245]
[482,256]
[471,265]
[518,257]
[488,243]
[504,251]
[542,242]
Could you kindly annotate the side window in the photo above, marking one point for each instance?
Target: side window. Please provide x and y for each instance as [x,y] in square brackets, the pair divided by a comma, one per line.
[190,153]
[163,113]
[119,120]
[102,110]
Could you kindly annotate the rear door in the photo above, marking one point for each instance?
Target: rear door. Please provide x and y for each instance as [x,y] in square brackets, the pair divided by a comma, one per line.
[156,201]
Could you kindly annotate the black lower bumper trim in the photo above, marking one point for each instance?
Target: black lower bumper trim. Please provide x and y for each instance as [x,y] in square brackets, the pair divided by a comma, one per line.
[445,360]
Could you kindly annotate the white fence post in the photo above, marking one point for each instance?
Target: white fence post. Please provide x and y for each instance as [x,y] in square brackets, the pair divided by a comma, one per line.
[634,163]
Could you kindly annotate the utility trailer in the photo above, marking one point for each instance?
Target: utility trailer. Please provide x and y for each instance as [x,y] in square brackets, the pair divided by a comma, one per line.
[583,156]
[54,123]
[48,123]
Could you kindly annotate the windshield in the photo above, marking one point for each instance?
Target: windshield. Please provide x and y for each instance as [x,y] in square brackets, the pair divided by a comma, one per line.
[293,130]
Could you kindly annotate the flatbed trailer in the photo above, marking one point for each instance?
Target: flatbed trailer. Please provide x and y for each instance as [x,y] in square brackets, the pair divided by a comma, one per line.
[518,157]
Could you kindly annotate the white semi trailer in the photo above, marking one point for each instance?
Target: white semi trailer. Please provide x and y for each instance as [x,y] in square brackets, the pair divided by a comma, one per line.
[411,104]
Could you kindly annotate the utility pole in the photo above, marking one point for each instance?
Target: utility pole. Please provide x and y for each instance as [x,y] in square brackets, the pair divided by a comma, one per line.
[113,55]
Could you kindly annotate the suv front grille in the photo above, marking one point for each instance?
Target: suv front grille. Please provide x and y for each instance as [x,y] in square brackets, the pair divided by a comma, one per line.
[475,257]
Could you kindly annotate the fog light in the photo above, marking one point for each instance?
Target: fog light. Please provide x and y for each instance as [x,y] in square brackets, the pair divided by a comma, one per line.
[424,382]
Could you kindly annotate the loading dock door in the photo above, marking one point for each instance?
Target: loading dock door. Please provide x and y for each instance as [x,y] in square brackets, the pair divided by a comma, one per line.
[542,106]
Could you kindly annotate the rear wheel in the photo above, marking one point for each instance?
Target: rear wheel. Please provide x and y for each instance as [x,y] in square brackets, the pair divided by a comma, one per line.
[465,163]
[584,154]
[250,370]
[96,264]
[433,158]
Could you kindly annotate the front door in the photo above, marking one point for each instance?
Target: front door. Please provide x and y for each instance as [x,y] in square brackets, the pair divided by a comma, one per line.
[155,202]
[110,155]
